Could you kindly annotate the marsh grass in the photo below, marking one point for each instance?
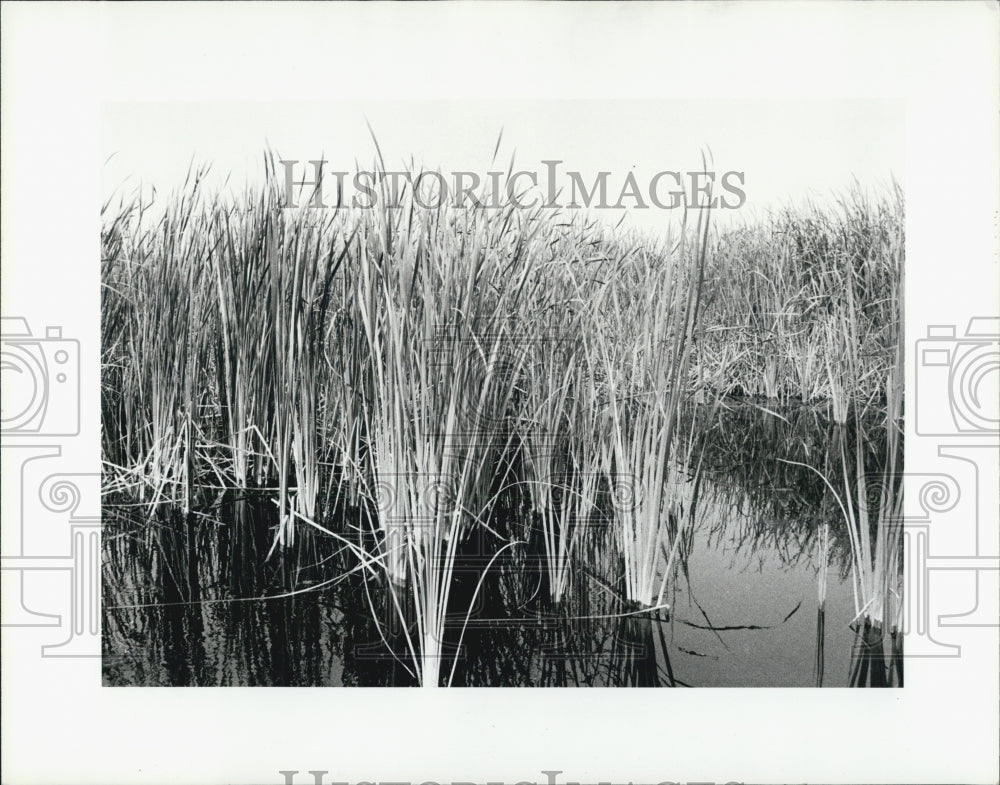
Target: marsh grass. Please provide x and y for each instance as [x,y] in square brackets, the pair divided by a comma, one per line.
[434,299]
[154,311]
[643,338]
[802,305]
[412,368]
[871,508]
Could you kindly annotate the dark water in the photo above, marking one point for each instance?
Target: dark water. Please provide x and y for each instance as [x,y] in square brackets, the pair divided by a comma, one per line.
[194,600]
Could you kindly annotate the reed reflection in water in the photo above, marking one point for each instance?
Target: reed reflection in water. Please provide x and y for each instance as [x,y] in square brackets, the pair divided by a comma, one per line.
[762,596]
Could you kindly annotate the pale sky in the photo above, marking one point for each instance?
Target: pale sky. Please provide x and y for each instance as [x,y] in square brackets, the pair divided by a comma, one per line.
[788,150]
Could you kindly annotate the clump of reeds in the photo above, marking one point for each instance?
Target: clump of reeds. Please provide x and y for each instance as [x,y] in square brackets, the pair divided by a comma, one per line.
[435,297]
[552,401]
[416,355]
[302,261]
[872,516]
[154,319]
[801,305]
[240,269]
[644,334]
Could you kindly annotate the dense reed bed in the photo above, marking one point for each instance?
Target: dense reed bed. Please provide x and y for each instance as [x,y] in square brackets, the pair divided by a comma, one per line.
[390,376]
[805,305]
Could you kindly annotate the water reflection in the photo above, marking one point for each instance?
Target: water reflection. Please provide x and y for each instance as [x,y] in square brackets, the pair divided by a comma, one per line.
[877,658]
[762,596]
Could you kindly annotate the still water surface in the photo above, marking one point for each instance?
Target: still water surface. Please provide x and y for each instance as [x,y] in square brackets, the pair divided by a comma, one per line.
[194,600]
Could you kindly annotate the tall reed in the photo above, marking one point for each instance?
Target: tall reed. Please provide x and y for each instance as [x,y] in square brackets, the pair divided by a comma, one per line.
[239,266]
[302,262]
[645,330]
[155,279]
[435,293]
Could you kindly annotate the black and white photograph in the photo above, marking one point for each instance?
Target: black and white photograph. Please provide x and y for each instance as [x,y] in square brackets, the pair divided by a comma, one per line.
[560,414]
[529,393]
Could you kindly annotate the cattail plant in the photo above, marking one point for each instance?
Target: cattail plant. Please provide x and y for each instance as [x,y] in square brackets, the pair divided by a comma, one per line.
[645,363]
[161,277]
[437,329]
[239,266]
